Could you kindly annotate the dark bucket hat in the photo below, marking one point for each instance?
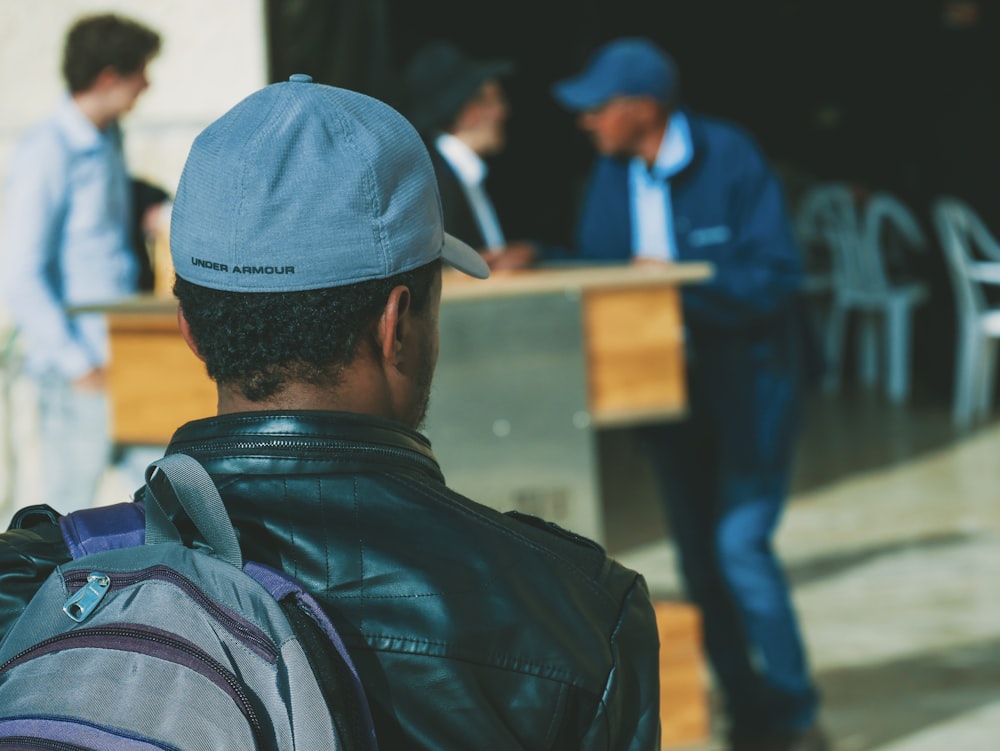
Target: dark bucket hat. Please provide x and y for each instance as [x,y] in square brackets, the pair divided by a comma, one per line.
[439,80]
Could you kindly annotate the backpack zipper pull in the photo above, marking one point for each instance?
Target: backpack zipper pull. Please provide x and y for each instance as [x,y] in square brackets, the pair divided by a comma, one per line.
[82,604]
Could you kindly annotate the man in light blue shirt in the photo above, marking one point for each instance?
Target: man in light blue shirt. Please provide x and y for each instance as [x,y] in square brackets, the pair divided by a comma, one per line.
[66,239]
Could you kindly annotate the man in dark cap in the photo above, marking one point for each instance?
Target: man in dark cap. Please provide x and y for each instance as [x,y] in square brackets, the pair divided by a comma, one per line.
[672,185]
[308,244]
[458,106]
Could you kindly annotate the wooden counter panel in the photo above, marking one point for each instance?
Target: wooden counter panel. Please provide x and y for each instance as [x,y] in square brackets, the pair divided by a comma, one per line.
[156,382]
[684,710]
[632,330]
[635,354]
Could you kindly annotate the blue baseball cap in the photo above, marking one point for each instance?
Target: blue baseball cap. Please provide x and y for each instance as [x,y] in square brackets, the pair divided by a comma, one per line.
[632,66]
[302,186]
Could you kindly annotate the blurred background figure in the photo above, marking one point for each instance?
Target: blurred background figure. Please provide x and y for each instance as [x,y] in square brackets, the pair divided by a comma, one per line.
[150,207]
[671,185]
[68,241]
[458,106]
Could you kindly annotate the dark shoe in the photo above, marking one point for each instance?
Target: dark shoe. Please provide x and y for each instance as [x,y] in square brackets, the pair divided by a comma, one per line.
[811,739]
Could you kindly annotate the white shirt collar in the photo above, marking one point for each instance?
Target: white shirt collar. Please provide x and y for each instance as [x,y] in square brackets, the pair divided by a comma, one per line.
[676,149]
[80,132]
[471,170]
[652,210]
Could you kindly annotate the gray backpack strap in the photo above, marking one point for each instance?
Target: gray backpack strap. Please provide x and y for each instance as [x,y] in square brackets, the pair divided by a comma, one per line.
[180,481]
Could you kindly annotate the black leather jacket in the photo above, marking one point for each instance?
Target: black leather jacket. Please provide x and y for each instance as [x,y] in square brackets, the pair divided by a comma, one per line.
[471,629]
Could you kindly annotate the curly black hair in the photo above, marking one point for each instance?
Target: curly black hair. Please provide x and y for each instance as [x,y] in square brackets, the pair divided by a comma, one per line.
[258,342]
[94,43]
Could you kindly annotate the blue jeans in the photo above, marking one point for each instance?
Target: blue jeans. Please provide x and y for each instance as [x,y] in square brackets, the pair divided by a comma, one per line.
[75,435]
[723,510]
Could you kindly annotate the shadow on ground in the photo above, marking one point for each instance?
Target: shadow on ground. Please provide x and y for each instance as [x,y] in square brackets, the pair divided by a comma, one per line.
[848,434]
[911,694]
[802,573]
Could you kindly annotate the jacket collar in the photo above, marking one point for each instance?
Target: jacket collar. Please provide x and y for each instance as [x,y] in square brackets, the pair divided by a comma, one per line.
[676,149]
[288,431]
[696,140]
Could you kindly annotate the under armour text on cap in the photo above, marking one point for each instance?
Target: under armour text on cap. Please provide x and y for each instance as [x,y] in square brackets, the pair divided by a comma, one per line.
[632,66]
[303,186]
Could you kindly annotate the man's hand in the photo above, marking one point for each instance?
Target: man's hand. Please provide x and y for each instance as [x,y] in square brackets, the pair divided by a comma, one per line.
[517,255]
[93,380]
[650,262]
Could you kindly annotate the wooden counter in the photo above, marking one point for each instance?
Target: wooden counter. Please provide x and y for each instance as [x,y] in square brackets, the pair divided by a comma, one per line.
[632,334]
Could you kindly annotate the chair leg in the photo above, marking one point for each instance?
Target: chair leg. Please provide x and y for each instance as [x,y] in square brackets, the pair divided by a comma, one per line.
[868,367]
[987,378]
[836,323]
[897,352]
[966,372]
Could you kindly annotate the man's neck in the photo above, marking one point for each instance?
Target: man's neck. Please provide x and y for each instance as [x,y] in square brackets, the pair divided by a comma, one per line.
[353,395]
[649,144]
[91,106]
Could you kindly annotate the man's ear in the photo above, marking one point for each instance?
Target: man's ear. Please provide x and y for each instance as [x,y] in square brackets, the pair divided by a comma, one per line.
[109,75]
[394,324]
[185,327]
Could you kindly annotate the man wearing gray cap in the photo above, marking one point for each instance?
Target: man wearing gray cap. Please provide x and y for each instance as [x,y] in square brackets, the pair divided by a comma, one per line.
[308,243]
[671,185]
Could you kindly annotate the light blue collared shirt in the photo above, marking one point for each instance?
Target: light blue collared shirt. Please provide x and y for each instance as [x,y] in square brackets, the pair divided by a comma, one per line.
[652,215]
[66,239]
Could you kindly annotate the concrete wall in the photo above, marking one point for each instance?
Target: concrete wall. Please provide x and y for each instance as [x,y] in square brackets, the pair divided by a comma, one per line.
[213,55]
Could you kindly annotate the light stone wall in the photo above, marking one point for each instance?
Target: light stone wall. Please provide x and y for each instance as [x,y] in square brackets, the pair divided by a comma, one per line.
[213,54]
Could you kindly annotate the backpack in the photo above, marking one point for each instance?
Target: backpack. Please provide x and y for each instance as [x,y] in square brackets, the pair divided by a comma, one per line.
[150,644]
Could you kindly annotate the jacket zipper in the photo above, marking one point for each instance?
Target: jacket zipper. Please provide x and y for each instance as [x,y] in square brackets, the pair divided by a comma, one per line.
[310,446]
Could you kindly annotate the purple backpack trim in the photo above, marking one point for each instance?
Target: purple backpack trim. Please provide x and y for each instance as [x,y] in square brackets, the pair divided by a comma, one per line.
[123,525]
[75,734]
[95,530]
[281,585]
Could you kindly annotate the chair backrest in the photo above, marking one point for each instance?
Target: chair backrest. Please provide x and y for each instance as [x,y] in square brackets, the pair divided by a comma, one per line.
[887,220]
[826,224]
[964,240]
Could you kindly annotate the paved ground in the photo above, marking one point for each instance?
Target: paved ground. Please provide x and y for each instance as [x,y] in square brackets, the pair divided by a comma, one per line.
[894,566]
[892,543]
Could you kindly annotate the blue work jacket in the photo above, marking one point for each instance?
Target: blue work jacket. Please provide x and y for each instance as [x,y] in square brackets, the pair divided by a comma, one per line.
[744,326]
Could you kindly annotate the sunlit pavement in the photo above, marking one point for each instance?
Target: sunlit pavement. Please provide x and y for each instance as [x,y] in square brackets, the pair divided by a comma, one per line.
[894,559]
[892,545]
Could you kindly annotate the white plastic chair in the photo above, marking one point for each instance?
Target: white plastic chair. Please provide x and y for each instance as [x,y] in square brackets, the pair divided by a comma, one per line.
[857,243]
[966,242]
[825,221]
[866,287]
[825,218]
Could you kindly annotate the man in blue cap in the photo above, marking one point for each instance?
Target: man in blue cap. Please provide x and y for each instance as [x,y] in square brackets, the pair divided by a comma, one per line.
[671,185]
[308,240]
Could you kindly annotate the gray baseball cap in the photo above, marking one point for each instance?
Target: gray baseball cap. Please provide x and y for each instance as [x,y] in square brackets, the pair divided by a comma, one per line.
[302,186]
